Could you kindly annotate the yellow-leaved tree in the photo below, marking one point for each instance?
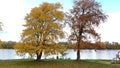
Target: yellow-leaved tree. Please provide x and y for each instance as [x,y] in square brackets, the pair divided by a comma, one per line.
[43,29]
[1,30]
[1,44]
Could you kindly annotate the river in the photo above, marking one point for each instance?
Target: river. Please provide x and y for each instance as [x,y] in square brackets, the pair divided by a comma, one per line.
[6,54]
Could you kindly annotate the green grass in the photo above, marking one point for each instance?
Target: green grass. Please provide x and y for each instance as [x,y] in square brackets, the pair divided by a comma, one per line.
[57,64]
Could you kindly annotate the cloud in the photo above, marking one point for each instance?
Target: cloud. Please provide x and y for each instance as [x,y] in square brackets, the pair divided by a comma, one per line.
[12,13]
[110,29]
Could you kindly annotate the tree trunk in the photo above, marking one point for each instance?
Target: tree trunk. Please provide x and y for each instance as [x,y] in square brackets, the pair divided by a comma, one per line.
[78,51]
[39,55]
[78,42]
[78,54]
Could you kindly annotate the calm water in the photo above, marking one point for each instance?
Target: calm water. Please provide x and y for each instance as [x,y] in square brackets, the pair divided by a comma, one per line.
[85,54]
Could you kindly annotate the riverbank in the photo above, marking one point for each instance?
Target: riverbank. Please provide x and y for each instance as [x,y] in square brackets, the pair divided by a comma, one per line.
[57,64]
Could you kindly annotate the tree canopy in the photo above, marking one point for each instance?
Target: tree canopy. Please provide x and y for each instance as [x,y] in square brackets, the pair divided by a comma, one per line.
[84,17]
[43,29]
[1,24]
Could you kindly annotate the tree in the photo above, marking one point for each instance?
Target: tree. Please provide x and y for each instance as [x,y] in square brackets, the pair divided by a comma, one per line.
[1,26]
[1,30]
[85,16]
[43,29]
[1,44]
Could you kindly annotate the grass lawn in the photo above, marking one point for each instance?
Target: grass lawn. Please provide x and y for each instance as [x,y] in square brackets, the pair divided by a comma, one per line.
[57,64]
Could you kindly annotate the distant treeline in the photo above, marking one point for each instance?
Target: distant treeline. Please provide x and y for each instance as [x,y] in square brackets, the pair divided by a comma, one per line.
[113,45]
[8,44]
[100,45]
[105,45]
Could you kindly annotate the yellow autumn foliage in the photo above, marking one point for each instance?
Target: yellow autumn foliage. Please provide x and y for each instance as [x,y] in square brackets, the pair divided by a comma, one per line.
[1,44]
[43,29]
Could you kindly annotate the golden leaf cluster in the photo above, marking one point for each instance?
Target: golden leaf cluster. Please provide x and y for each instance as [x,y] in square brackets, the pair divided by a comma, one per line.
[43,29]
